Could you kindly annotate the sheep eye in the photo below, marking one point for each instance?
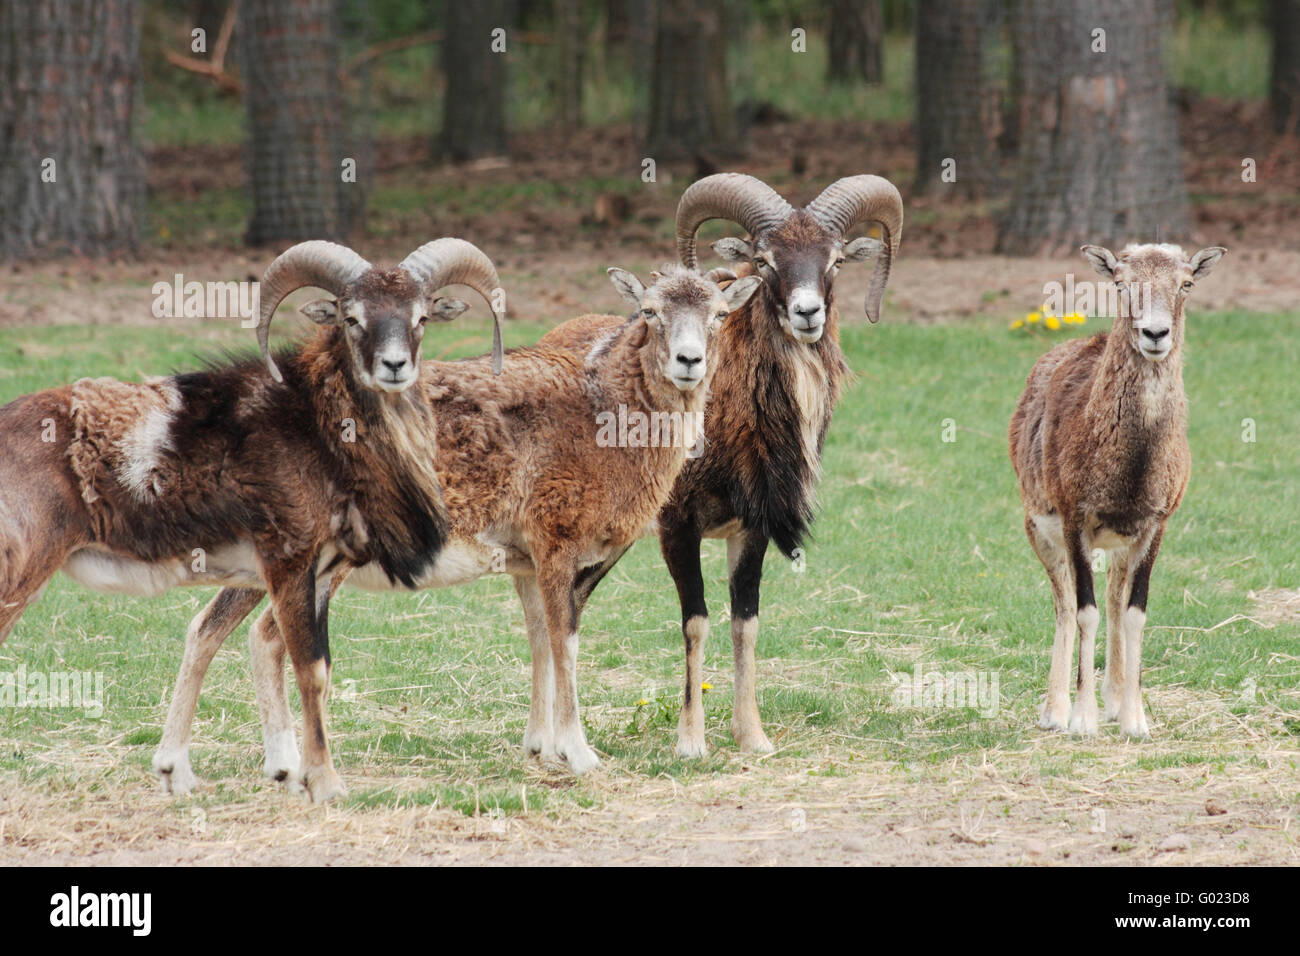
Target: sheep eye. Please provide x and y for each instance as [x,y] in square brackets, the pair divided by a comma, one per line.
[1187,286]
[351,321]
[423,319]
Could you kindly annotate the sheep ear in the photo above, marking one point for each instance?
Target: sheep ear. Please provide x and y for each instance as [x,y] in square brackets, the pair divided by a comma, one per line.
[863,248]
[322,311]
[738,293]
[444,310]
[1102,259]
[733,250]
[628,285]
[1204,261]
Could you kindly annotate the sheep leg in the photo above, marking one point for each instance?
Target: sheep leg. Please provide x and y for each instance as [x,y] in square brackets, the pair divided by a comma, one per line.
[300,601]
[745,553]
[28,575]
[1118,579]
[539,735]
[1132,715]
[1083,718]
[681,550]
[279,745]
[266,652]
[13,605]
[207,632]
[556,580]
[1055,559]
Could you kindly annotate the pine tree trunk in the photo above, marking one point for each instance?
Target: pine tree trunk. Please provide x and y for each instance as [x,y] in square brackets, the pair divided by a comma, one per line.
[296,128]
[953,149]
[570,42]
[1284,77]
[474,112]
[690,110]
[629,29]
[1099,159]
[855,41]
[73,178]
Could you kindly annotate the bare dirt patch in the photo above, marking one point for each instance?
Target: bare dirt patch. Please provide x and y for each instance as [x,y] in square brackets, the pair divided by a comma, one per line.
[566,206]
[1213,787]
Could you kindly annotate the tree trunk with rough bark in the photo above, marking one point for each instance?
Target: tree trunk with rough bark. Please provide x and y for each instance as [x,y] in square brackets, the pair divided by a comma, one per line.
[1099,159]
[297,148]
[73,177]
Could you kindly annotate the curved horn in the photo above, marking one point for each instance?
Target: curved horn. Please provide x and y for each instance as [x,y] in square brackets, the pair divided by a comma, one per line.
[749,202]
[445,262]
[325,265]
[854,199]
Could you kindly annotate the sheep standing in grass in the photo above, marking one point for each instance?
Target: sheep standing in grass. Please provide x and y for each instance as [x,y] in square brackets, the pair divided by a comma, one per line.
[1099,444]
[234,477]
[780,371]
[533,487]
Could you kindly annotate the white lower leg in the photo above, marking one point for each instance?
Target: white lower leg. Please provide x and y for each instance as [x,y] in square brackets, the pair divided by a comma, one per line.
[746,725]
[570,739]
[280,746]
[539,734]
[1056,708]
[690,727]
[1083,718]
[171,762]
[1132,716]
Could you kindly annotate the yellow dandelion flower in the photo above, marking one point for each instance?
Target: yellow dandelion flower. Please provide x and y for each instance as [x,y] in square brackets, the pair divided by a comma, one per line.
[706,686]
[1018,324]
[1033,317]
[642,702]
[1053,323]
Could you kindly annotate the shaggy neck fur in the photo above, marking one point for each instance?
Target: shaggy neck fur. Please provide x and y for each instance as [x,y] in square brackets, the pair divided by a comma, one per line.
[769,409]
[392,516]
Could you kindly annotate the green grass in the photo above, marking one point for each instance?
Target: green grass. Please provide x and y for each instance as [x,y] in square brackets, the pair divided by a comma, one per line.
[919,556]
[1216,58]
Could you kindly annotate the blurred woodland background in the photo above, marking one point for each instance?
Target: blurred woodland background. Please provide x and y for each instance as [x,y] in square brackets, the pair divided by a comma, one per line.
[1021,127]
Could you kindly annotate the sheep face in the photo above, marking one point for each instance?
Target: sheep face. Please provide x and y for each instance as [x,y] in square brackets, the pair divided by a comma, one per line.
[383,315]
[1154,282]
[682,310]
[798,261]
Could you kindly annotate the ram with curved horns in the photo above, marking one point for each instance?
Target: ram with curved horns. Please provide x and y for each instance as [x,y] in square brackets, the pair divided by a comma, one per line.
[228,476]
[780,371]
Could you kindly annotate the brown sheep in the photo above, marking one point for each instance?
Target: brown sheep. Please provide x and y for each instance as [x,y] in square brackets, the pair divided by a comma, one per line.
[1099,444]
[230,476]
[534,488]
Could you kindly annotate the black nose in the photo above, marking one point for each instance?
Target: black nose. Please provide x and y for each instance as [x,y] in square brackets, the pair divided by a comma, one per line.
[394,367]
[1155,336]
[808,310]
[688,361]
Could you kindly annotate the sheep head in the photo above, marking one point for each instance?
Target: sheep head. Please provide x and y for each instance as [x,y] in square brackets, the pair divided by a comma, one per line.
[1154,281]
[681,311]
[383,312]
[797,252]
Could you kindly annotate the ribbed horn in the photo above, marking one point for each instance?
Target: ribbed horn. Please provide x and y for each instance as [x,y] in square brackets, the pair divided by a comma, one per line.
[444,262]
[323,265]
[855,199]
[750,203]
